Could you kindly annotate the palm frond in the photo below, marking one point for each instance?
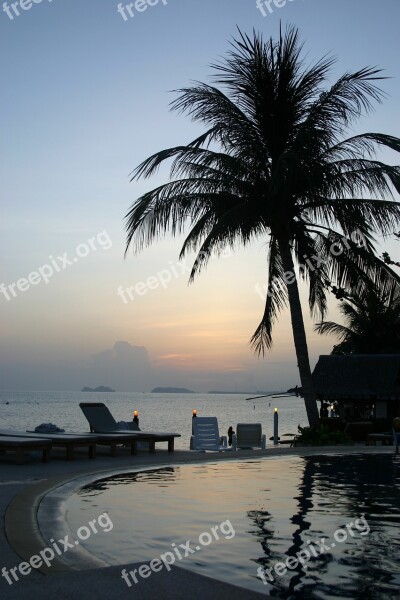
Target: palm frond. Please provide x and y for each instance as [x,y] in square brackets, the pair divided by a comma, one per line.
[331,328]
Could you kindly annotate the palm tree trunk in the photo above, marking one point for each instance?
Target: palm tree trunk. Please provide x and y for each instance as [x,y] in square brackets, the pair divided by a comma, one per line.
[299,335]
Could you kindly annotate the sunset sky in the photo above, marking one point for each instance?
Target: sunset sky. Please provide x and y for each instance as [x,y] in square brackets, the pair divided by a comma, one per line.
[85,98]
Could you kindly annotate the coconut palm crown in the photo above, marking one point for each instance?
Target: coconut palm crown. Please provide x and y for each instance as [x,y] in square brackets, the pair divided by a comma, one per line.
[274,164]
[371,324]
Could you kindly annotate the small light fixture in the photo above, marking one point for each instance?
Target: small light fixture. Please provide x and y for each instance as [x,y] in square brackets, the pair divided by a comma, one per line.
[135,414]
[194,413]
[276,410]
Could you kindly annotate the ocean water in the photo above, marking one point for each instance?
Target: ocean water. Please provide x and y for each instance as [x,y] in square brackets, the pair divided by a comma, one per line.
[157,412]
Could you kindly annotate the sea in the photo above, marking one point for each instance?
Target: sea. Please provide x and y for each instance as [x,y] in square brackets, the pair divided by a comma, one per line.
[170,412]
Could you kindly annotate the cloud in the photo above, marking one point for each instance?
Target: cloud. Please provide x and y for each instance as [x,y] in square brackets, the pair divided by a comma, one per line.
[125,368]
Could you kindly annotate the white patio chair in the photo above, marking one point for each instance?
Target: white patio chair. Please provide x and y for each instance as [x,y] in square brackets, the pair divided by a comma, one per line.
[249,435]
[206,435]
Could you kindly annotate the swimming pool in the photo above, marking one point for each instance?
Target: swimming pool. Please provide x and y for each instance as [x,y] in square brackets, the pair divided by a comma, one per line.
[243,519]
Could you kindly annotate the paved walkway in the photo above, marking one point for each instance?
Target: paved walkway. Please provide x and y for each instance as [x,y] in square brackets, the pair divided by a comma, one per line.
[23,486]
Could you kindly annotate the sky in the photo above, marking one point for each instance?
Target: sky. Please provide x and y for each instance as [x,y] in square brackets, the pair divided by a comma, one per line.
[85,98]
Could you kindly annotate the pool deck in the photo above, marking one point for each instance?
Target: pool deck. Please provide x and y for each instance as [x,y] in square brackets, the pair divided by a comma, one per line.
[22,488]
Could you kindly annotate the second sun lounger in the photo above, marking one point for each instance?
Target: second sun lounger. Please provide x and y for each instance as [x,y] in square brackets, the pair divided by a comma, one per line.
[69,442]
[132,438]
[101,421]
[113,440]
[20,445]
[129,438]
[105,439]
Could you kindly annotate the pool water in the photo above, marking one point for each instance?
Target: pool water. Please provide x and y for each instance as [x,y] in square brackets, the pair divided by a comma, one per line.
[266,510]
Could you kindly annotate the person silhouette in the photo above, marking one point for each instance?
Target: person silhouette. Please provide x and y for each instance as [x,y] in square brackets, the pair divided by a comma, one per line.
[230,435]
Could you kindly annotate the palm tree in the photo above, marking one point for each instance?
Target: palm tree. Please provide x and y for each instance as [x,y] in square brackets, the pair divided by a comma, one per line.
[372,324]
[273,164]
[386,256]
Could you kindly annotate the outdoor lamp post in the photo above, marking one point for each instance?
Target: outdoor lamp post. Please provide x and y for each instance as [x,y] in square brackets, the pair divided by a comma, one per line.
[194,415]
[276,418]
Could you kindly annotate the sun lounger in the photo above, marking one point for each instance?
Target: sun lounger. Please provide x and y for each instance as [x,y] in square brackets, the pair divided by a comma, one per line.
[59,440]
[101,421]
[113,440]
[132,439]
[248,435]
[206,435]
[100,418]
[19,445]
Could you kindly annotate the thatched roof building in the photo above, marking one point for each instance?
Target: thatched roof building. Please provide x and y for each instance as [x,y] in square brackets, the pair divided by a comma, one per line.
[369,379]
[358,376]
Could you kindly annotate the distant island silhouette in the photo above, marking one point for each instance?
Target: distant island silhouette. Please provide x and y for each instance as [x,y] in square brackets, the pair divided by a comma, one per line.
[171,390]
[101,388]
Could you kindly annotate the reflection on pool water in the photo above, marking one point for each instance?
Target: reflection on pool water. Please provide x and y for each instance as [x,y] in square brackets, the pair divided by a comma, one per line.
[277,508]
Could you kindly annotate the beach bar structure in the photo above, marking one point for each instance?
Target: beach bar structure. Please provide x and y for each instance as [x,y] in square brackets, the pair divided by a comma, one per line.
[362,387]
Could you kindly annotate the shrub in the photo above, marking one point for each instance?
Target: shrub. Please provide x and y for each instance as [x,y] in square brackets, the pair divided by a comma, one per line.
[321,436]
